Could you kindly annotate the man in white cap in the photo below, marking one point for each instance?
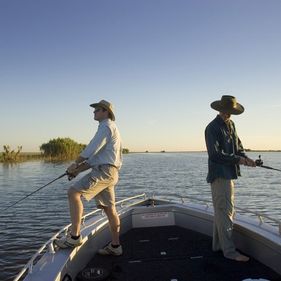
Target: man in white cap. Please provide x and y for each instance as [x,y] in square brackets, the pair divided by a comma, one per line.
[104,156]
[225,153]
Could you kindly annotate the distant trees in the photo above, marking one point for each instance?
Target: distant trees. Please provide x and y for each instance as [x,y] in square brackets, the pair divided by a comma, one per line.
[65,148]
[61,148]
[125,150]
[54,149]
[10,155]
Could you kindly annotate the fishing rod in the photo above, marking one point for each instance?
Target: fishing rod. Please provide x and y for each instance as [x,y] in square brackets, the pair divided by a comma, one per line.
[69,175]
[259,163]
[61,176]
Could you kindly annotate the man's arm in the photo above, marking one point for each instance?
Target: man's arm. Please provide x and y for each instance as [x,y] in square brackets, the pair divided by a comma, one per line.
[214,151]
[74,166]
[245,160]
[75,169]
[96,144]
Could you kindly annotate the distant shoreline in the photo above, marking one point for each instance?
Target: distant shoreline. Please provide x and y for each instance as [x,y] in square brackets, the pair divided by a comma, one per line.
[163,151]
[199,151]
[31,156]
[261,150]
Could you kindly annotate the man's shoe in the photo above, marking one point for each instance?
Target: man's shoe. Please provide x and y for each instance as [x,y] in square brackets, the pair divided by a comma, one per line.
[239,258]
[111,251]
[68,242]
[242,258]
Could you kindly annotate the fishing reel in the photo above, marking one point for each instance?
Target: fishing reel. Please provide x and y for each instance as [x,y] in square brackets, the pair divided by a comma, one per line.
[259,161]
[70,176]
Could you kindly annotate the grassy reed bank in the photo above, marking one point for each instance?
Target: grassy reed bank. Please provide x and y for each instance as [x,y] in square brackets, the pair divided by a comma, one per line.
[59,149]
[23,156]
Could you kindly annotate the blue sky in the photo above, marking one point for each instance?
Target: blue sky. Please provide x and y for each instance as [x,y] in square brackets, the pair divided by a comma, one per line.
[161,63]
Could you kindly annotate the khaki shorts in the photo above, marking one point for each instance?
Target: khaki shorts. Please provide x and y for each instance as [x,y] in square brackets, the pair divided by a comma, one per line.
[99,183]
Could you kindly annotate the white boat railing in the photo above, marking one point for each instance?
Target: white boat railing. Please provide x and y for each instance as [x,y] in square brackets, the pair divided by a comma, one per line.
[49,244]
[239,210]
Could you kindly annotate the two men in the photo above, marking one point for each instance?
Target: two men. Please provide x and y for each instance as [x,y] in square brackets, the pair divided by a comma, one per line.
[225,153]
[103,155]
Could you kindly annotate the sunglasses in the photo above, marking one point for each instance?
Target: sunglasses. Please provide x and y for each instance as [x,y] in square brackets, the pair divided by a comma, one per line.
[99,109]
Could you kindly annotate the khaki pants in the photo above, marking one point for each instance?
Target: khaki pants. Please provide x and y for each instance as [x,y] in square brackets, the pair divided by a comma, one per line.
[223,201]
[99,183]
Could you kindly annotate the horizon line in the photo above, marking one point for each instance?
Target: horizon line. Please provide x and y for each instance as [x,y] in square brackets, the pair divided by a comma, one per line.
[174,151]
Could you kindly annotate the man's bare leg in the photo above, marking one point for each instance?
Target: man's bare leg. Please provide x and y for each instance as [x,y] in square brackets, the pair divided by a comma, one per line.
[114,223]
[76,210]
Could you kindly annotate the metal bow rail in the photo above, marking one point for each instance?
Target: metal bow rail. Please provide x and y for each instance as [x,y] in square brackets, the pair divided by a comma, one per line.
[260,216]
[49,244]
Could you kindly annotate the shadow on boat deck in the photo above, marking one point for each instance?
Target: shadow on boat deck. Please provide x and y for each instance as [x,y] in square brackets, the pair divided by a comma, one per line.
[173,253]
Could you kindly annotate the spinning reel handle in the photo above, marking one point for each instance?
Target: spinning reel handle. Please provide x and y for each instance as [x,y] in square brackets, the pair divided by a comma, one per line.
[259,161]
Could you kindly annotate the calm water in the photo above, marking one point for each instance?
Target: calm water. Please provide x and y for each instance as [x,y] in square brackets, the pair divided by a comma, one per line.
[25,227]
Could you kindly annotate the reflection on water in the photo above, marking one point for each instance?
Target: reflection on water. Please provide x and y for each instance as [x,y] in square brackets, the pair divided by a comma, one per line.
[26,226]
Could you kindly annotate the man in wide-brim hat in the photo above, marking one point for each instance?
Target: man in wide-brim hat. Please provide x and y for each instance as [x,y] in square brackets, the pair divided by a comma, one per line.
[103,155]
[228,104]
[225,153]
[106,106]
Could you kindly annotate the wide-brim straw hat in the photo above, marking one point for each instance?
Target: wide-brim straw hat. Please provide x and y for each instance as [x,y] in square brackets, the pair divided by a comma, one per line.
[228,104]
[106,105]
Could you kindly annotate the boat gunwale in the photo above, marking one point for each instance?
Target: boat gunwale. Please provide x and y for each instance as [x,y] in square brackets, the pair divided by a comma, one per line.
[238,210]
[152,200]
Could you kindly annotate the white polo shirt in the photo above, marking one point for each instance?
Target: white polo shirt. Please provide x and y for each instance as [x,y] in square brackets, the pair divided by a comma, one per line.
[105,147]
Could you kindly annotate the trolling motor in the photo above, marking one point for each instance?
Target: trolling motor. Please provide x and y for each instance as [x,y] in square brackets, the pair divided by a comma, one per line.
[259,163]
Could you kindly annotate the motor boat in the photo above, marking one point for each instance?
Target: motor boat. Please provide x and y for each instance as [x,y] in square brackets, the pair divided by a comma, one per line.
[162,239]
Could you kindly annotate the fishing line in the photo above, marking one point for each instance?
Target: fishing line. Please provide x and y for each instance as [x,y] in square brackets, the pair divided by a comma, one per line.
[70,177]
[59,177]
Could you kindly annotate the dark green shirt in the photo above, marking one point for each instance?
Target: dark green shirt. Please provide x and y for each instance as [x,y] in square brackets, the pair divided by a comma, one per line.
[224,150]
